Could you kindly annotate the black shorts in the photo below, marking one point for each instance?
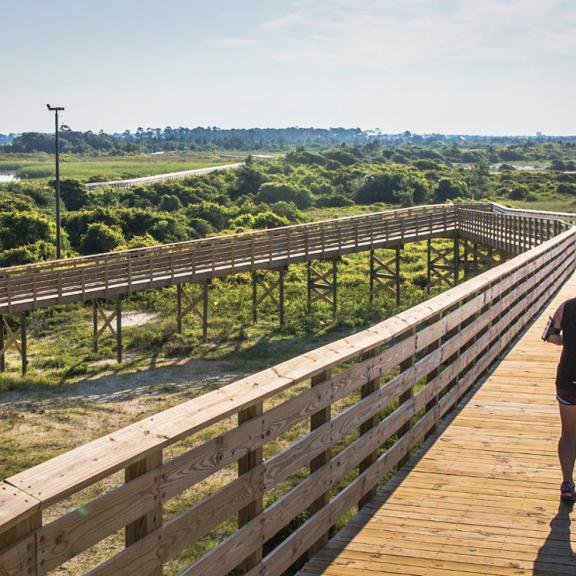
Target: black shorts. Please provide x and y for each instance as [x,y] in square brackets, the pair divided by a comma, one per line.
[566,397]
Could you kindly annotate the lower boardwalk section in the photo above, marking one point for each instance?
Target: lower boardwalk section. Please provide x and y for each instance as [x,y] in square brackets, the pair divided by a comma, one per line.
[481,497]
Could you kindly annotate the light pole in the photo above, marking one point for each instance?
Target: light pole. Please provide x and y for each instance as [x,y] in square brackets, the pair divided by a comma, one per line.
[57,109]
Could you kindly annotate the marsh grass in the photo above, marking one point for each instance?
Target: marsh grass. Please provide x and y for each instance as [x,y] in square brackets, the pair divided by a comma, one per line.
[94,168]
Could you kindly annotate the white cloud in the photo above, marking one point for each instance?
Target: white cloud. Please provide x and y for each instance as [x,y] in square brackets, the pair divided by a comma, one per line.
[386,34]
[234,41]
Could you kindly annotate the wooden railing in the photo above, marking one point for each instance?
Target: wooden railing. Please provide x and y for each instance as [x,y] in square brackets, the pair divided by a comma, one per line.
[104,275]
[33,286]
[314,436]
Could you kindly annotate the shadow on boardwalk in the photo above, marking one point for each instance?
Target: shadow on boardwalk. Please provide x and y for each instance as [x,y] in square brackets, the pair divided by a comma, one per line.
[556,556]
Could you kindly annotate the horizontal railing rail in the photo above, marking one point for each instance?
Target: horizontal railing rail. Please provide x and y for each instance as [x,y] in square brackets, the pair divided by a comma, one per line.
[314,436]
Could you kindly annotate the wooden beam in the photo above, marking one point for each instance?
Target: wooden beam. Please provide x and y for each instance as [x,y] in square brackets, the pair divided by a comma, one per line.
[316,421]
[246,464]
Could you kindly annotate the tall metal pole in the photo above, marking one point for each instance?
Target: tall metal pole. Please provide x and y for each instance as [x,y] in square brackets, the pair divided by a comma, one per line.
[57,109]
[58,219]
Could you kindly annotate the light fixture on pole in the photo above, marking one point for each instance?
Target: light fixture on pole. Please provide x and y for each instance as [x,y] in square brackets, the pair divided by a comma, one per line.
[57,109]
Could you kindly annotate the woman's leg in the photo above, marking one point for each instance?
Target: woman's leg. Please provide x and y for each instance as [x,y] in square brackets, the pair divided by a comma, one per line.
[567,443]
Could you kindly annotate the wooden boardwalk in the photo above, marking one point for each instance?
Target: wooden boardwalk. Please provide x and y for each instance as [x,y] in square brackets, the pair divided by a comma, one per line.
[481,496]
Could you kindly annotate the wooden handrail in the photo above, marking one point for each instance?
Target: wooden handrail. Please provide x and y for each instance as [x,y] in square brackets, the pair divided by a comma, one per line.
[450,340]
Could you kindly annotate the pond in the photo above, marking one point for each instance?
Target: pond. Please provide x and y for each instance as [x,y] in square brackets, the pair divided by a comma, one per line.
[8,177]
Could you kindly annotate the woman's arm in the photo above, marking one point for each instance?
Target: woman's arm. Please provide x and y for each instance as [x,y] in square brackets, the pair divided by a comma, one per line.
[557,324]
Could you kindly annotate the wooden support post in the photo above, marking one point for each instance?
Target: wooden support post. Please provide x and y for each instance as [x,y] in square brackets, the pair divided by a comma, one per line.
[205,292]
[429,266]
[108,325]
[406,396]
[9,338]
[366,390]
[334,288]
[119,347]
[2,353]
[24,342]
[316,420]
[443,265]
[268,293]
[308,287]
[24,563]
[385,274]
[153,519]
[187,302]
[398,278]
[254,296]
[281,281]
[430,405]
[475,258]
[179,326]
[95,325]
[246,463]
[456,260]
[322,286]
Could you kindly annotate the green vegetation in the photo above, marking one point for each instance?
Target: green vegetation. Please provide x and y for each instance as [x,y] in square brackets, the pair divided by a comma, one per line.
[93,168]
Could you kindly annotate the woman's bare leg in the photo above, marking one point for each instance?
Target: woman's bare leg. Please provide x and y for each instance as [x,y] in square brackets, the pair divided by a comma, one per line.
[567,442]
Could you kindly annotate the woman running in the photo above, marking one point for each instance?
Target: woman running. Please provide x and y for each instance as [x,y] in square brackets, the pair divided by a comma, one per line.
[563,333]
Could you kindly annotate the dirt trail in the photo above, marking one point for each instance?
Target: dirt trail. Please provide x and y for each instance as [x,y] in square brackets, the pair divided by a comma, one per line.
[165,379]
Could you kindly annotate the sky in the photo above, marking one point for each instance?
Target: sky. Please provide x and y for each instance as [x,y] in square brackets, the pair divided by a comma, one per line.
[445,66]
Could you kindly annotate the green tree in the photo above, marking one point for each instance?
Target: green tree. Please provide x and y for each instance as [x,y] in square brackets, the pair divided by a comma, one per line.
[170,203]
[101,238]
[272,192]
[21,228]
[74,194]
[269,220]
[448,189]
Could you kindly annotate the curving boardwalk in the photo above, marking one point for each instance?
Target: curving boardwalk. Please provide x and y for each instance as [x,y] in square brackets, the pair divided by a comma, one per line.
[146,180]
[481,496]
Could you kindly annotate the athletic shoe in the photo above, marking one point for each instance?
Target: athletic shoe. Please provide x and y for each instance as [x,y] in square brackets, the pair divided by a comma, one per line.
[567,491]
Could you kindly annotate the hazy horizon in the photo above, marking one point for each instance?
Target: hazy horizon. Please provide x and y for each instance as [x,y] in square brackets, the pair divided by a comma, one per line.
[500,67]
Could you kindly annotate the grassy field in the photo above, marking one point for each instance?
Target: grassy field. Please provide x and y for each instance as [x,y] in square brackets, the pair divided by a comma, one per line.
[41,166]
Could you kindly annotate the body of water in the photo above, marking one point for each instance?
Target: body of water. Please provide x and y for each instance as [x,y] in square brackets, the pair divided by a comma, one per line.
[7,177]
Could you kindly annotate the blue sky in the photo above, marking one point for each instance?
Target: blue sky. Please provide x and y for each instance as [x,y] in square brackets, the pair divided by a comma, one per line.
[451,66]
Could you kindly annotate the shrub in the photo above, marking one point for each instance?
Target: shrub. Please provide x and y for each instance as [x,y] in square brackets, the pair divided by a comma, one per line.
[333,201]
[448,189]
[566,188]
[269,220]
[101,238]
[20,228]
[272,192]
[170,203]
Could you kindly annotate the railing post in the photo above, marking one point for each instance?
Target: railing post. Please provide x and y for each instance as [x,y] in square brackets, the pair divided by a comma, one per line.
[316,420]
[246,463]
[26,562]
[431,348]
[366,390]
[406,396]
